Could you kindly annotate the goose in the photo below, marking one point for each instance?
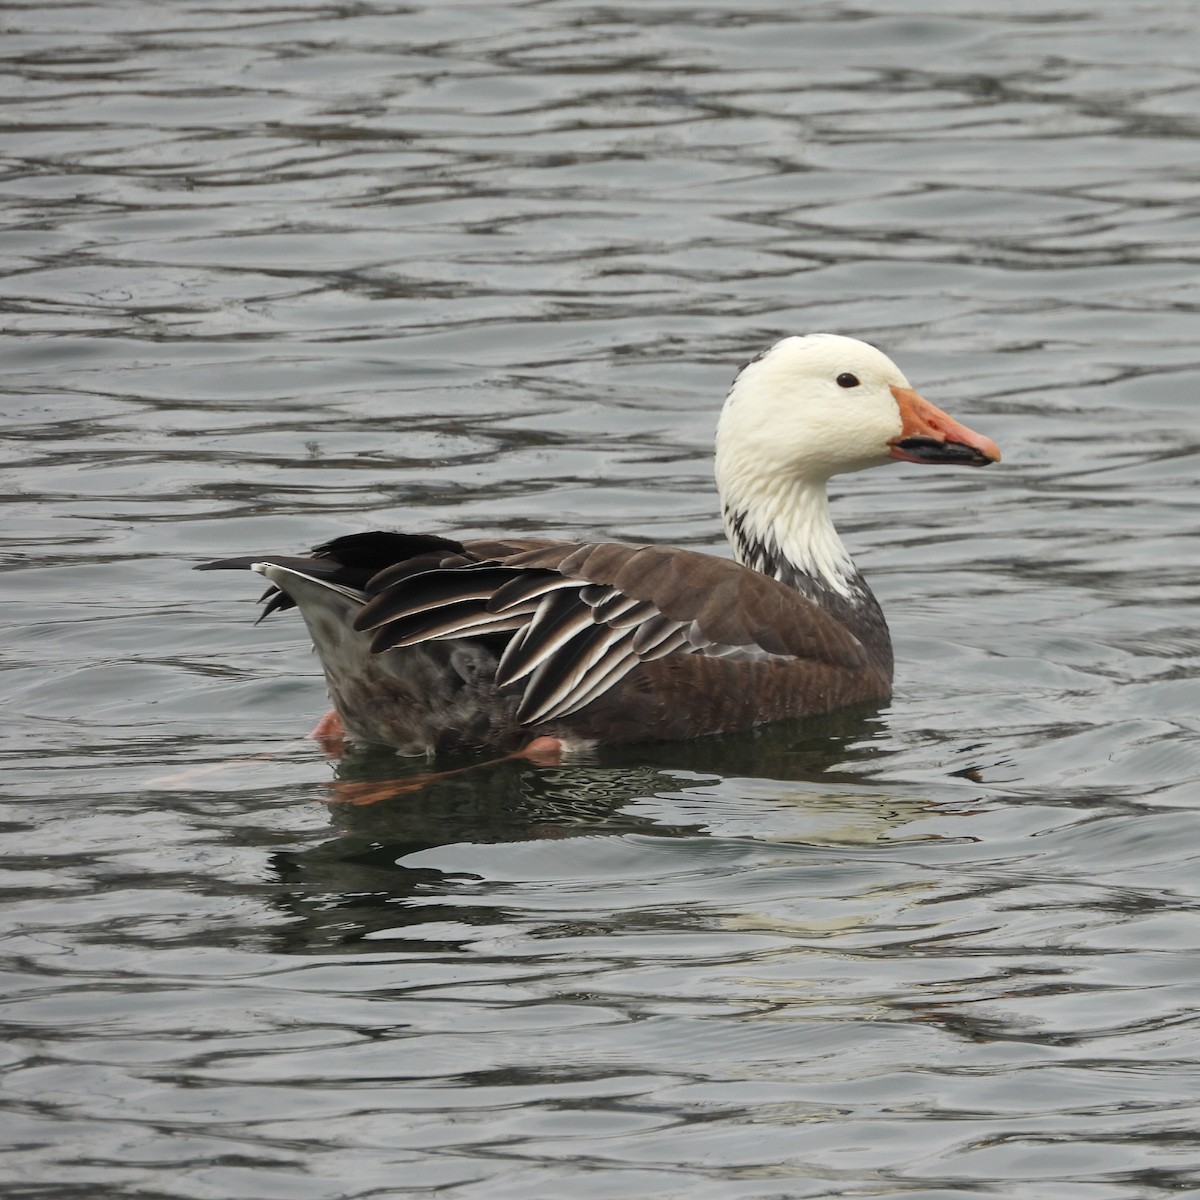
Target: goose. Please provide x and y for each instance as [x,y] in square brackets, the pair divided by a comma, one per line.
[431,645]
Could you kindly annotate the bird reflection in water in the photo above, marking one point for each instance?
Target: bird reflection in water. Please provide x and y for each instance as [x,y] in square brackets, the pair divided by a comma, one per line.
[363,883]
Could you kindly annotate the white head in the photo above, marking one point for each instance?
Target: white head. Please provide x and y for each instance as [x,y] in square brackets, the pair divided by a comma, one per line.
[810,408]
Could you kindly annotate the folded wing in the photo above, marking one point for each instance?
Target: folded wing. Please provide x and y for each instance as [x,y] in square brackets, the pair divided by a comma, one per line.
[580,617]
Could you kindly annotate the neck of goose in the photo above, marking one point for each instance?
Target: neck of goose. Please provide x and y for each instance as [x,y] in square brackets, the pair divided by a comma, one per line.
[788,534]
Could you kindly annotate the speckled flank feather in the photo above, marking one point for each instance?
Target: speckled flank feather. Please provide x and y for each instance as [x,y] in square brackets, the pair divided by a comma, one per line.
[436,697]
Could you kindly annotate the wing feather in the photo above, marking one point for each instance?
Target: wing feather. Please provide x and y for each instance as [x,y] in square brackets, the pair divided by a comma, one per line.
[676,639]
[559,618]
[608,672]
[557,682]
[427,590]
[426,625]
[651,633]
[615,605]
[522,586]
[581,617]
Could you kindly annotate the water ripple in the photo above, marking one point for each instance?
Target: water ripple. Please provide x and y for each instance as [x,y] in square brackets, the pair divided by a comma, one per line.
[273,273]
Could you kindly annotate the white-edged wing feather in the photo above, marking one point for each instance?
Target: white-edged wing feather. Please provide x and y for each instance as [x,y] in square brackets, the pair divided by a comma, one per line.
[571,640]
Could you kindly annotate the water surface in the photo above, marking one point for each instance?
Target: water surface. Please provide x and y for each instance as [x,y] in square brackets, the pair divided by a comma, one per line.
[275,273]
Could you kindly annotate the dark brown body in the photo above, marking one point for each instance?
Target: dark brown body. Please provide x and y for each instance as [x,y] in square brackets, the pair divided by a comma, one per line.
[430,645]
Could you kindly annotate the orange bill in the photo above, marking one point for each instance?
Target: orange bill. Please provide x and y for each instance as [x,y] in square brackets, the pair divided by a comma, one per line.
[929,435]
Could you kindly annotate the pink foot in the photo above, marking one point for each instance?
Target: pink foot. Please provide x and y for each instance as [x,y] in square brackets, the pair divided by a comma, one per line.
[331,734]
[542,752]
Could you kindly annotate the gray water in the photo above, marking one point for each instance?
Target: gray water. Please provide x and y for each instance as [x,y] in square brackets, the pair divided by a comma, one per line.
[279,272]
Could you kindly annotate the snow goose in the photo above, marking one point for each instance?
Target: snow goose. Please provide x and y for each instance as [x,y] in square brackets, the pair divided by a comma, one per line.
[433,645]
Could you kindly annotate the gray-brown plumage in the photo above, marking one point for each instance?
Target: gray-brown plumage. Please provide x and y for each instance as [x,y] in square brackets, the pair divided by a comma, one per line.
[431,645]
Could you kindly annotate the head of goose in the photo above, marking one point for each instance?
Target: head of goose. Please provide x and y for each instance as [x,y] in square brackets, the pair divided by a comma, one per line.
[805,410]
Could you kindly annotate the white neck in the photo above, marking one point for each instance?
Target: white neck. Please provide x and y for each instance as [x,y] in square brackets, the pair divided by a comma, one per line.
[787,526]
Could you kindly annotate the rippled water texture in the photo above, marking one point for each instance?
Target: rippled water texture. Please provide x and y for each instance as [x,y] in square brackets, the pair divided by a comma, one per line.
[279,272]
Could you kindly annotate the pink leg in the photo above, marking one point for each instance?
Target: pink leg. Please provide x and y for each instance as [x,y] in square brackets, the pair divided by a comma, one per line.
[542,752]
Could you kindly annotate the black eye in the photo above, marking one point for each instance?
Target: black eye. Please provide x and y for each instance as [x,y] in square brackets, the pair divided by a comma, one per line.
[845,379]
